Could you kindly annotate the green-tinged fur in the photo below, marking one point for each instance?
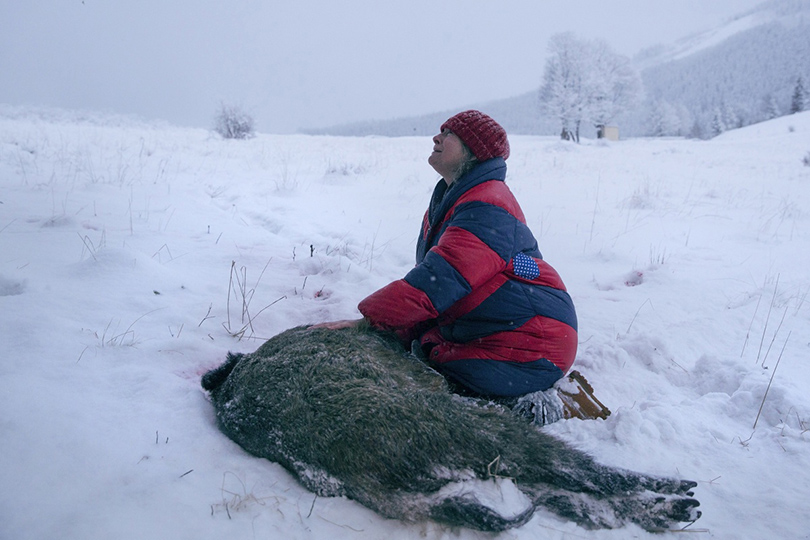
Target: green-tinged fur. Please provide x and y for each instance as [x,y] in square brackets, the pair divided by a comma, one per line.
[350,412]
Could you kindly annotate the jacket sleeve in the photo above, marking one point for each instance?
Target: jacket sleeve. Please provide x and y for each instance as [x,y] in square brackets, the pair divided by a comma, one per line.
[475,246]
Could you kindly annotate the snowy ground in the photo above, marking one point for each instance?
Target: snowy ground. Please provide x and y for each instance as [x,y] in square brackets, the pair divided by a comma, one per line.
[120,242]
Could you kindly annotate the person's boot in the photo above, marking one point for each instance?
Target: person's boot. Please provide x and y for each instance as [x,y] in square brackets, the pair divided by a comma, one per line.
[579,400]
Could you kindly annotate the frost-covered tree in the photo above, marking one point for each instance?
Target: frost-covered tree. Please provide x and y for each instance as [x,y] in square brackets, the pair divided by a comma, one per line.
[718,125]
[667,119]
[563,92]
[585,81]
[697,130]
[800,98]
[660,118]
[664,119]
[614,86]
[771,108]
[731,120]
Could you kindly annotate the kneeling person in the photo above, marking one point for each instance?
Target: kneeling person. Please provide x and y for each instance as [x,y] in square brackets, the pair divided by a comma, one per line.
[481,305]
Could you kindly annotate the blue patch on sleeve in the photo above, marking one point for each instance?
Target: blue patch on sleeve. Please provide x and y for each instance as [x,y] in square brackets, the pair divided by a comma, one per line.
[525,267]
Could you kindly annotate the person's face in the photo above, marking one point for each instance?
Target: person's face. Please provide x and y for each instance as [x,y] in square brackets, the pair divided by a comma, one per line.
[448,154]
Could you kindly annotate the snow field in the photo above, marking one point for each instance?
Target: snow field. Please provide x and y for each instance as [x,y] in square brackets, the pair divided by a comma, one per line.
[134,256]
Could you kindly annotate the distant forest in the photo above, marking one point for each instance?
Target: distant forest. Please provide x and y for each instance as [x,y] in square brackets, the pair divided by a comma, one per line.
[748,78]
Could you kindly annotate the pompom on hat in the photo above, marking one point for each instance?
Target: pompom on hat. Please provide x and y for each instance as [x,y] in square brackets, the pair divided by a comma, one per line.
[483,136]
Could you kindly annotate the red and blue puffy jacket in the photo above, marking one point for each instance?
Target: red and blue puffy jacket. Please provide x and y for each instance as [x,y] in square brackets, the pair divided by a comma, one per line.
[480,289]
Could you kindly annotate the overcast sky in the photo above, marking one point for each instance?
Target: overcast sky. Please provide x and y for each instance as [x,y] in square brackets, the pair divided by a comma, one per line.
[309,63]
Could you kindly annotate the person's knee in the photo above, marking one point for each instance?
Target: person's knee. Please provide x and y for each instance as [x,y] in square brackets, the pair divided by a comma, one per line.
[494,378]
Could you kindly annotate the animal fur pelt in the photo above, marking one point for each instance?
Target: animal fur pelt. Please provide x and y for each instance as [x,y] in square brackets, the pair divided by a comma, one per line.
[350,413]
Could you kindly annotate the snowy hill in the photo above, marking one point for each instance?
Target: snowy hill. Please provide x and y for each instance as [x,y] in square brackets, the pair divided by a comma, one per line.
[744,69]
[693,44]
[741,73]
[134,256]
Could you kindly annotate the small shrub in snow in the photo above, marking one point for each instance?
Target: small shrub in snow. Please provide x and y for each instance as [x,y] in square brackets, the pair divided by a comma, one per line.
[345,169]
[806,159]
[233,123]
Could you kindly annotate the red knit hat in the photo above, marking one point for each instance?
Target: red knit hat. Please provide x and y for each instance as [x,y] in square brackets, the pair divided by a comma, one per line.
[483,135]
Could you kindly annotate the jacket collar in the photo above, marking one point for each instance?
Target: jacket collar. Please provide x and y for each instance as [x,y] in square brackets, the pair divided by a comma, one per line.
[445,197]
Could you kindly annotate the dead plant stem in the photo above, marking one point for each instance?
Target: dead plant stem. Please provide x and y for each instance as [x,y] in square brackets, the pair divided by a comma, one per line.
[768,318]
[761,405]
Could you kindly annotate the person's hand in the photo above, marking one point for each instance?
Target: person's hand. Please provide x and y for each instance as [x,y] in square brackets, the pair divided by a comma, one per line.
[337,325]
